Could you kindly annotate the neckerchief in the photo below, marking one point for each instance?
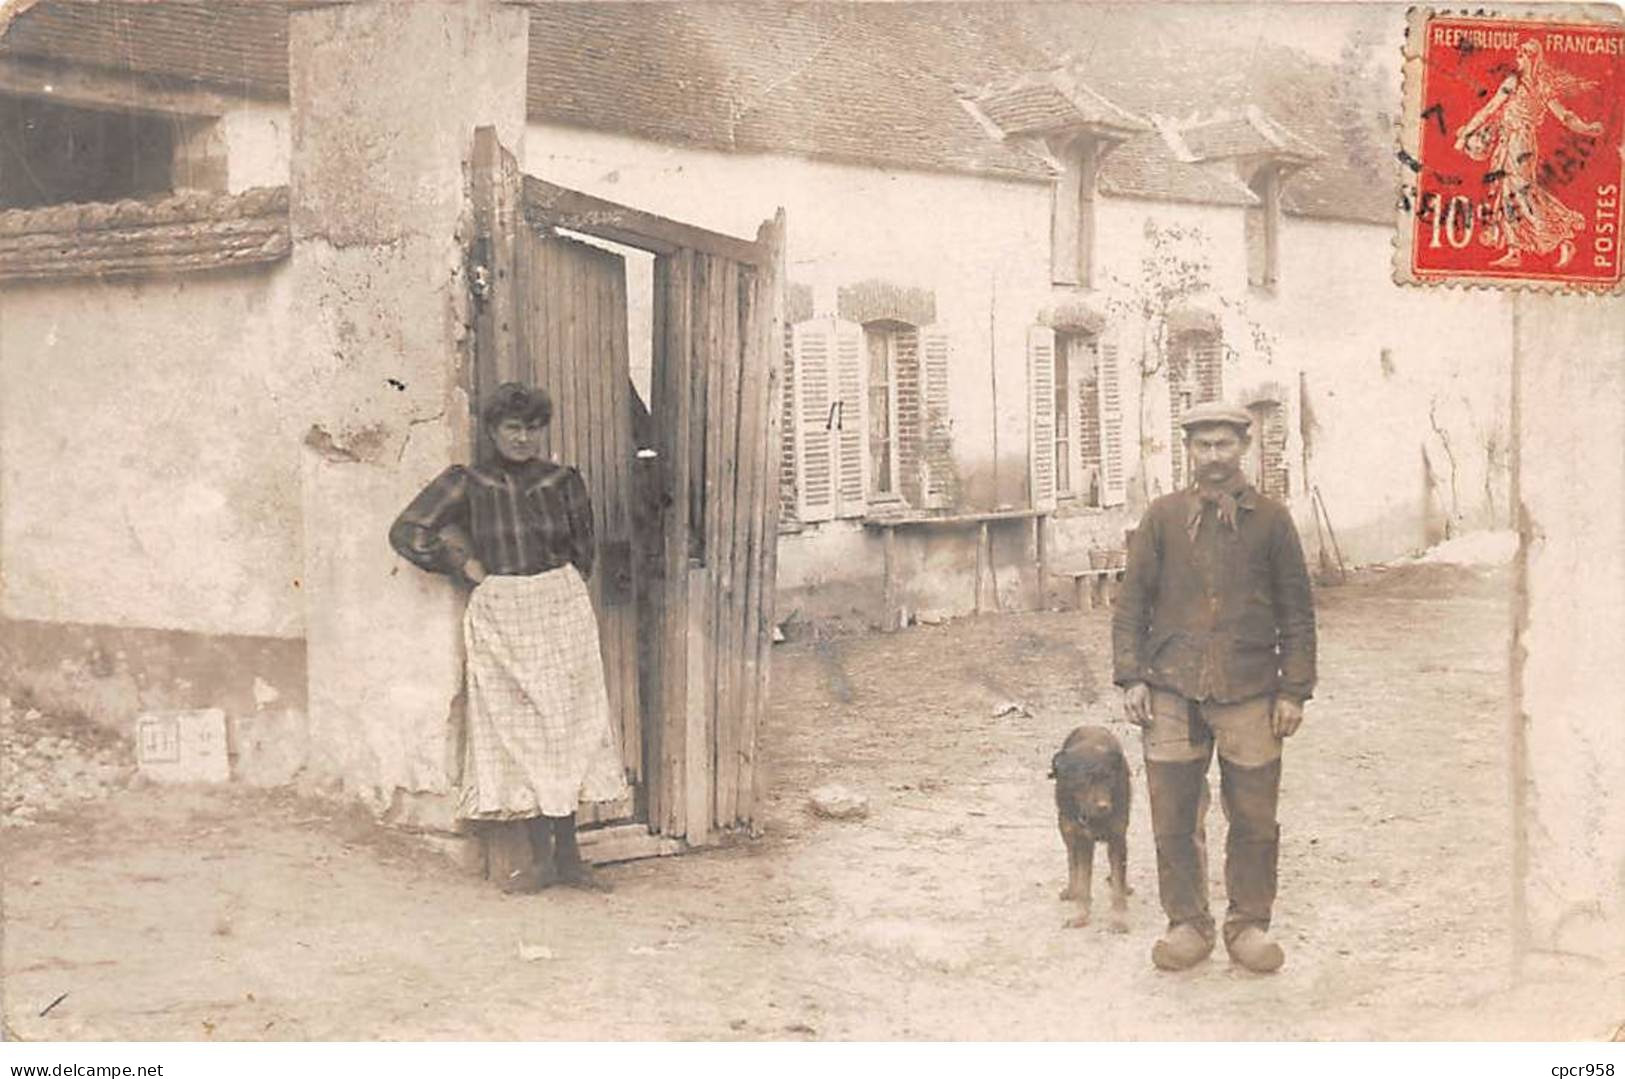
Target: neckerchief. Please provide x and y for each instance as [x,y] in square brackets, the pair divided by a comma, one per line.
[1224,500]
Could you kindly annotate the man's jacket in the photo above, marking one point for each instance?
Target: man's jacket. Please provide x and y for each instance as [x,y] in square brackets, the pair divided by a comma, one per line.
[1225,615]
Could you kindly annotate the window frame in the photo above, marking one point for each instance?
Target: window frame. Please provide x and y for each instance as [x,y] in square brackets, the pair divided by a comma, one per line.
[1076,469]
[886,330]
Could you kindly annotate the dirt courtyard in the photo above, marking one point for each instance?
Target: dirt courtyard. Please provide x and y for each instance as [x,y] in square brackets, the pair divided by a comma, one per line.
[234,915]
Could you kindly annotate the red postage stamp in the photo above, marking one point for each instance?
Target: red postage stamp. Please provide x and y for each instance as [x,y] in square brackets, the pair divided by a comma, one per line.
[1511,151]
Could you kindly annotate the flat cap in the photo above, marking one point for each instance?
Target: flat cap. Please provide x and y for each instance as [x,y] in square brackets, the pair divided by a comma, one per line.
[1216,412]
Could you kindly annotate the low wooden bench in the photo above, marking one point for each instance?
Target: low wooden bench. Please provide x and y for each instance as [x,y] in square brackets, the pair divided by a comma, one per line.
[1097,585]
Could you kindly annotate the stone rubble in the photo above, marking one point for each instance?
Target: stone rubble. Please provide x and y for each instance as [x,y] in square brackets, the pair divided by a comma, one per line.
[48,764]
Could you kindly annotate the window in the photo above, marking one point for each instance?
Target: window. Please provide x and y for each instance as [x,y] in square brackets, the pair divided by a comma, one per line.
[1072,213]
[889,345]
[1266,466]
[1076,423]
[1078,449]
[1263,229]
[1195,376]
[54,153]
[870,417]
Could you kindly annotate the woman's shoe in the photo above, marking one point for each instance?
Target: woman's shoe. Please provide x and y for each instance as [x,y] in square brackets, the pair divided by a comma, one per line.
[530,880]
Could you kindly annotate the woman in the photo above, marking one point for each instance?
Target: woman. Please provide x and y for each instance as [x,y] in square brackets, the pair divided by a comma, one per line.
[539,735]
[1525,213]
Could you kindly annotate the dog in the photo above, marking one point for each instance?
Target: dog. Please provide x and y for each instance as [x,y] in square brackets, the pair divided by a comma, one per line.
[1092,796]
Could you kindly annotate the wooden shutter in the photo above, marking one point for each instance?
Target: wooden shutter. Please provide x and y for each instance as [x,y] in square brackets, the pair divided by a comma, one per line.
[850,390]
[1084,369]
[1113,469]
[936,430]
[1041,416]
[789,503]
[908,412]
[813,344]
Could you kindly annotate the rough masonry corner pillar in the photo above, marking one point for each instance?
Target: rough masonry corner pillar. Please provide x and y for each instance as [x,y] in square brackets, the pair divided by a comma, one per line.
[384,99]
[1569,727]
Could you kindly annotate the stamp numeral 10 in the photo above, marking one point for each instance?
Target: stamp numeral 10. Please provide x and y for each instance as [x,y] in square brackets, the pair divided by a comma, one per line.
[1455,222]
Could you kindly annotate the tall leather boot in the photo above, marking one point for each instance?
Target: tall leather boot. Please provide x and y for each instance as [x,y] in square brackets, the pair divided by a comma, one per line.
[567,856]
[1251,858]
[1179,796]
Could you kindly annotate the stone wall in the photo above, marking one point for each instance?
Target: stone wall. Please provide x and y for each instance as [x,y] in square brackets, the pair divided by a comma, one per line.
[385,98]
[1569,735]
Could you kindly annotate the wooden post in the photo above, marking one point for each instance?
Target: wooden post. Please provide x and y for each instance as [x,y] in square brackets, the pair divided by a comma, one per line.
[495,196]
[981,554]
[889,620]
[1043,561]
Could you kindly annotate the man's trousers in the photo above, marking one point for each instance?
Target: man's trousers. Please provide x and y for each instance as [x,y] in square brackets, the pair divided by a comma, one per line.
[1179,745]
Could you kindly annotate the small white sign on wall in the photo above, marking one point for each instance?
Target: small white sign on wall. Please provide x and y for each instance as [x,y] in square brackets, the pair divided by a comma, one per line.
[183,747]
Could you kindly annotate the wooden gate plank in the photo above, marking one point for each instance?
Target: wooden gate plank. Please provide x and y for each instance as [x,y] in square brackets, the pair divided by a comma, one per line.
[619,464]
[730,585]
[748,536]
[709,358]
[697,763]
[700,431]
[675,407]
[653,477]
[769,342]
[589,362]
[623,224]
[546,330]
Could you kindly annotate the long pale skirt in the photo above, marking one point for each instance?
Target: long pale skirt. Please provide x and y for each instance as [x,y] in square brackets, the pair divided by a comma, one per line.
[540,739]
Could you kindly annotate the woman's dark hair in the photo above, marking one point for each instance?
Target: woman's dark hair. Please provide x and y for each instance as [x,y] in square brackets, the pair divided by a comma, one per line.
[515,400]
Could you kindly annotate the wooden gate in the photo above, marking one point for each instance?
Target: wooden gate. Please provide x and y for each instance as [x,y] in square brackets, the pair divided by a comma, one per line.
[687,537]
[572,341]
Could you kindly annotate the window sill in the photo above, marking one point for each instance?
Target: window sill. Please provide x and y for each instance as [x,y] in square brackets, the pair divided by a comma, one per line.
[1074,508]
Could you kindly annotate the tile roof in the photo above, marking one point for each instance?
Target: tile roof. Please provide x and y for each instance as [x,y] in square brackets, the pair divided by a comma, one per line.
[1247,135]
[1144,167]
[1033,107]
[1051,101]
[239,47]
[876,83]
[824,80]
[1225,138]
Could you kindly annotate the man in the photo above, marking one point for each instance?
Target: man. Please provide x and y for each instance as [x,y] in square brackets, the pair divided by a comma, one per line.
[1213,639]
